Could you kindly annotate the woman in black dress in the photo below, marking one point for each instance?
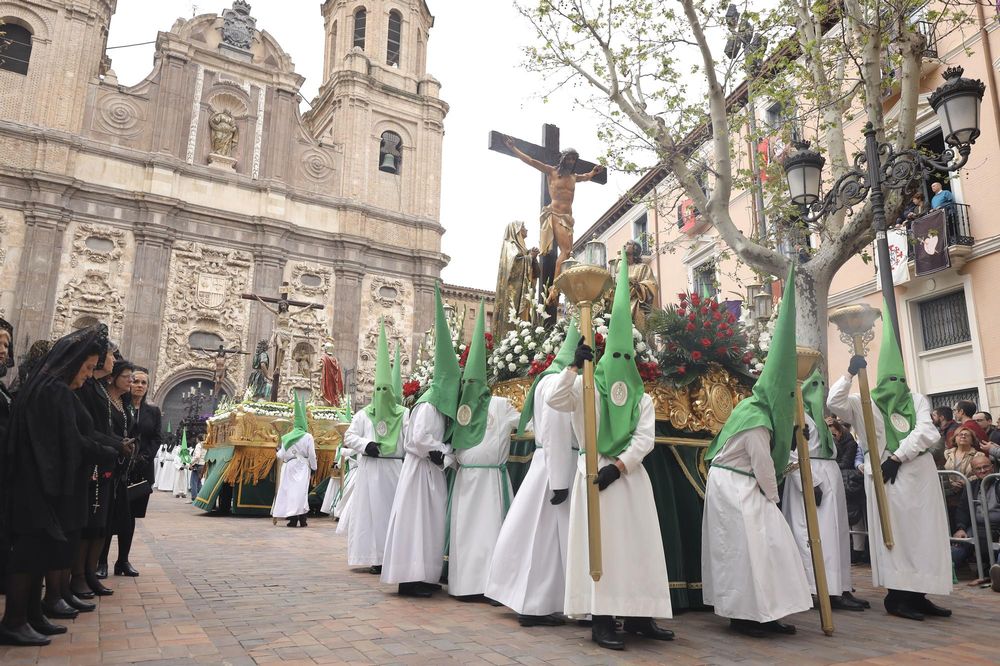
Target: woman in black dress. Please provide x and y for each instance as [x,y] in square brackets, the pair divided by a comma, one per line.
[42,463]
[120,521]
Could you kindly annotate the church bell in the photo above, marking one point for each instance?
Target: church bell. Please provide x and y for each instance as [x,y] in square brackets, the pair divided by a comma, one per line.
[388,163]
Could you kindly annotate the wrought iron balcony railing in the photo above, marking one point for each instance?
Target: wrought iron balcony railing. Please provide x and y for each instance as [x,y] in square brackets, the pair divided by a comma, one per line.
[958,225]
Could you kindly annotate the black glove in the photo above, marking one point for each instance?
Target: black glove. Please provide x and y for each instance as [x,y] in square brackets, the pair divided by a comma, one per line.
[436,457]
[583,353]
[806,431]
[818,492]
[606,476]
[795,437]
[371,449]
[559,496]
[857,362]
[890,469]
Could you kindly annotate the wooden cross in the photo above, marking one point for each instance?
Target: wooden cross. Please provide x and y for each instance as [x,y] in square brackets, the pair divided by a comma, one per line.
[283,304]
[548,153]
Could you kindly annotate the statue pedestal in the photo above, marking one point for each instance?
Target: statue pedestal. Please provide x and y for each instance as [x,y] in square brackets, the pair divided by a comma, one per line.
[222,162]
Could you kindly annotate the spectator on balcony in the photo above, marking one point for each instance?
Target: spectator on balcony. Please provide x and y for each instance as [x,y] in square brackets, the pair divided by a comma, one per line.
[962,552]
[912,210]
[942,198]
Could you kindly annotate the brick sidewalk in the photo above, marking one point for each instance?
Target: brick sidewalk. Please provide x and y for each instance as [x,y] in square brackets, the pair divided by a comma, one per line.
[217,590]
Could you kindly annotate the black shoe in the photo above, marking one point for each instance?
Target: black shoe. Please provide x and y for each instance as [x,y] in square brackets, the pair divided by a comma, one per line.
[900,609]
[46,628]
[59,610]
[843,602]
[433,587]
[102,571]
[82,595]
[80,604]
[125,569]
[602,632]
[23,635]
[922,604]
[849,595]
[776,627]
[645,626]
[294,522]
[414,590]
[748,628]
[375,569]
[540,621]
[303,523]
[99,589]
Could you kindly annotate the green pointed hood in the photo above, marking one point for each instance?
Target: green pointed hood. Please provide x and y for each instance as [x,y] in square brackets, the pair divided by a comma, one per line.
[397,377]
[443,391]
[559,363]
[474,401]
[385,412]
[185,453]
[299,425]
[617,377]
[772,403]
[168,427]
[814,396]
[891,394]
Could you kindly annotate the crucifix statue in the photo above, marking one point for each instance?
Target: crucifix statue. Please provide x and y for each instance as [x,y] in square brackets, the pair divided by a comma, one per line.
[281,336]
[219,371]
[561,171]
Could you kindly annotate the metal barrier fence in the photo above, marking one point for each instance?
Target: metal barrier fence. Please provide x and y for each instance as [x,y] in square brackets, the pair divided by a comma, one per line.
[993,545]
[974,527]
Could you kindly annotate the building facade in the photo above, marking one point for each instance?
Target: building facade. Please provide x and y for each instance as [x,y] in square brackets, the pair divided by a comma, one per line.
[155,207]
[946,319]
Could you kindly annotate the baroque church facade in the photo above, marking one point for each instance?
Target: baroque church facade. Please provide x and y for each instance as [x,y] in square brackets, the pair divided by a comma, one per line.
[155,207]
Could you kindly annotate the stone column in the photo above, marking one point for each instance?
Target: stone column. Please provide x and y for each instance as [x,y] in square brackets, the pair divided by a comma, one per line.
[147,297]
[423,310]
[38,277]
[347,319]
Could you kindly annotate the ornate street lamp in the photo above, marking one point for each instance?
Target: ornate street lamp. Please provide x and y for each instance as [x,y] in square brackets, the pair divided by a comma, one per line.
[881,166]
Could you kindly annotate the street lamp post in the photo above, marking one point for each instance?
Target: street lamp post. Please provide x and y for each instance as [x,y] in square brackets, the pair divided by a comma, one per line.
[956,103]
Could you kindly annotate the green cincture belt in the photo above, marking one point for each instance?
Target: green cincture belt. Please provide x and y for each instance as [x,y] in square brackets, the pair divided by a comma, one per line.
[504,488]
[733,469]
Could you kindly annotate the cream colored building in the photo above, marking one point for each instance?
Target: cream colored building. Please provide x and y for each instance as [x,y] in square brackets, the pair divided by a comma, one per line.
[154,207]
[948,320]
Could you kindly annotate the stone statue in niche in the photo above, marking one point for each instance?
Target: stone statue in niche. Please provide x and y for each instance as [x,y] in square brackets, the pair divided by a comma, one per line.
[225,133]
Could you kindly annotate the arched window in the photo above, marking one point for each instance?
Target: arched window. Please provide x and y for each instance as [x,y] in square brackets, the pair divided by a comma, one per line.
[390,153]
[15,48]
[360,21]
[395,39]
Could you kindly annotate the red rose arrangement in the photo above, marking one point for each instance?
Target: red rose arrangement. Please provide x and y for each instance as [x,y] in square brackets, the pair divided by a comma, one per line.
[410,388]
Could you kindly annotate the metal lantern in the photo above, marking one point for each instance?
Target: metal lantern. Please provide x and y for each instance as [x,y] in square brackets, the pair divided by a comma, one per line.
[804,171]
[957,103]
[752,291]
[595,253]
[763,306]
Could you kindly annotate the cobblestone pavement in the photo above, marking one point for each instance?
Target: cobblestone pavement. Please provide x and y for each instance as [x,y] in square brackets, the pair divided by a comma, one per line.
[224,590]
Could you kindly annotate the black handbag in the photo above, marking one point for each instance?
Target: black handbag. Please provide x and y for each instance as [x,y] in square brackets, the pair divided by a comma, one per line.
[138,490]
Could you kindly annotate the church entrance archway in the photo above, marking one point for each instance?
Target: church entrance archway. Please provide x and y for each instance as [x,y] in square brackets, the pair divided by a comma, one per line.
[176,402]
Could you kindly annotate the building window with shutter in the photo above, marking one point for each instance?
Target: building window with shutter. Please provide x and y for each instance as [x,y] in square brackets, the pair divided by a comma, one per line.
[944,321]
[360,22]
[395,39]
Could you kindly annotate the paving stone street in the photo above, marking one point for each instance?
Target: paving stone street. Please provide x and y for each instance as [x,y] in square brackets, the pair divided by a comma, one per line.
[224,590]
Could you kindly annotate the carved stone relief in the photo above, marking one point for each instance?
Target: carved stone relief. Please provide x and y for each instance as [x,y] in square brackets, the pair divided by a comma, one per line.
[98,244]
[203,295]
[390,300]
[88,299]
[121,115]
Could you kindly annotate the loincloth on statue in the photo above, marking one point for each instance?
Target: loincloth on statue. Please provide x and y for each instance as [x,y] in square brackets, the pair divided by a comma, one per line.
[565,220]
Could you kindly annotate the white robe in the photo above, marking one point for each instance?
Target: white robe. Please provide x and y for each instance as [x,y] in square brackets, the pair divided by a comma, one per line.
[750,563]
[157,469]
[414,544]
[366,520]
[182,476]
[634,580]
[831,514]
[292,497]
[349,463]
[528,572]
[477,501]
[920,560]
[167,472]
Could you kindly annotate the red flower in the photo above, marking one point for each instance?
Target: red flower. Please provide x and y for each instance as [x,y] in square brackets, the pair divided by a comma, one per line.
[707,324]
[731,318]
[599,339]
[682,296]
[681,369]
[696,299]
[713,304]
[464,358]
[692,317]
[689,327]
[720,335]
[682,312]
[704,311]
[410,388]
[716,315]
[705,342]
[696,356]
[489,341]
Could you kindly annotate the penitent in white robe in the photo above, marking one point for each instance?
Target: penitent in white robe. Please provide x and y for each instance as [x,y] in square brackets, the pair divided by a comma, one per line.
[157,469]
[182,476]
[634,580]
[292,496]
[920,560]
[528,572]
[365,520]
[750,563]
[414,544]
[834,526]
[167,471]
[479,501]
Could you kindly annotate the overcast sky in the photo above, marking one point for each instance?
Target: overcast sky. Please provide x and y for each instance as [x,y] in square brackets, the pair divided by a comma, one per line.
[475,50]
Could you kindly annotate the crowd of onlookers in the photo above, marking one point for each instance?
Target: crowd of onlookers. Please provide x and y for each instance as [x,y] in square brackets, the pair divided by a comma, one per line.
[77,447]
[969,452]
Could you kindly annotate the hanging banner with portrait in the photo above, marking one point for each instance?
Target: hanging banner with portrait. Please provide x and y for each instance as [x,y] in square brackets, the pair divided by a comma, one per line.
[897,241]
[930,242]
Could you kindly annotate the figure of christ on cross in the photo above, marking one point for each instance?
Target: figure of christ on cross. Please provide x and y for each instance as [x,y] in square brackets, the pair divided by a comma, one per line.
[219,371]
[281,336]
[558,191]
